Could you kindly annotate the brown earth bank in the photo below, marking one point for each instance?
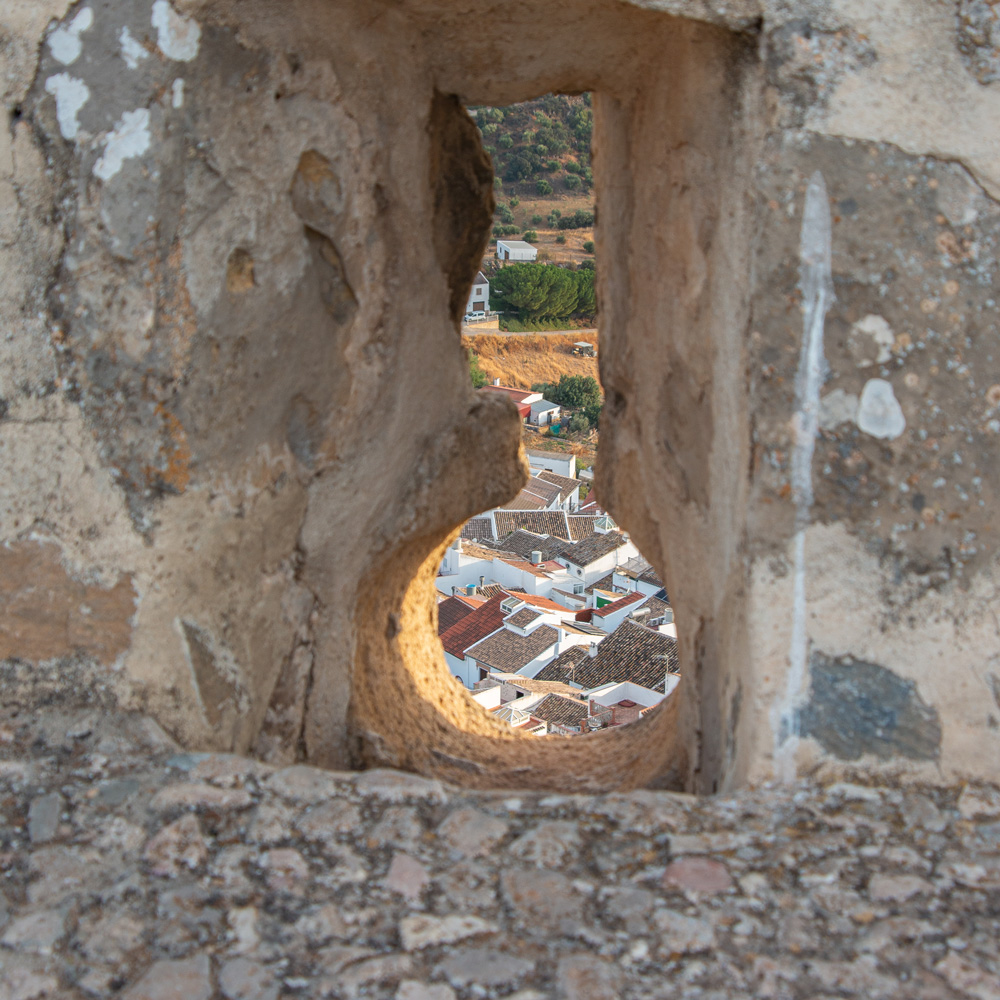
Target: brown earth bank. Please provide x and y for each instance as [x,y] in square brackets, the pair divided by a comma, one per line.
[521,361]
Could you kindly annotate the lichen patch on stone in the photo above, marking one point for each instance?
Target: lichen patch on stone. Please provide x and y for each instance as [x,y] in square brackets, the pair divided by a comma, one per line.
[130,138]
[71,95]
[64,42]
[177,36]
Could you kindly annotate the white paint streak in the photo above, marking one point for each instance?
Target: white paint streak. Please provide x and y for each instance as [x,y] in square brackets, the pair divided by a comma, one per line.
[177,36]
[64,42]
[177,92]
[816,281]
[132,51]
[71,94]
[128,139]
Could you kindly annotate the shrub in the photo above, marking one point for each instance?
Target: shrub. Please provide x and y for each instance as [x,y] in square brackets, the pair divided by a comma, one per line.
[552,166]
[515,201]
[478,376]
[588,246]
[572,167]
[497,183]
[578,423]
[530,236]
[536,220]
[543,187]
[504,214]
[560,238]
[572,182]
[505,142]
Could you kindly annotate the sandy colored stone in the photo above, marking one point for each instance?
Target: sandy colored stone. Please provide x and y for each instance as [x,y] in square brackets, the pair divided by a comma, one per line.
[419,932]
[406,876]
[698,874]
[180,979]
[586,977]
[177,846]
[472,833]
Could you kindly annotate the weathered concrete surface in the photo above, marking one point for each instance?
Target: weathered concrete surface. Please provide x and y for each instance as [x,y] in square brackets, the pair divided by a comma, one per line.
[235,423]
[132,869]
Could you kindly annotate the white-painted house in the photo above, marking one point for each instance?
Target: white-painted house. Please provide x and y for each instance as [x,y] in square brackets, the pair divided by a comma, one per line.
[553,461]
[544,413]
[479,297]
[515,250]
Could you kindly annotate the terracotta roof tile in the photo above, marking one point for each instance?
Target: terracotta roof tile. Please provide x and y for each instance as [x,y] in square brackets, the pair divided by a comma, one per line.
[478,529]
[563,667]
[541,522]
[591,549]
[631,653]
[451,612]
[562,711]
[475,627]
[580,526]
[564,483]
[523,543]
[509,652]
[523,618]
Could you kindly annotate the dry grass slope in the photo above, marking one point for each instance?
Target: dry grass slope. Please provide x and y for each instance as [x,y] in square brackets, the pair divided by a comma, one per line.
[521,361]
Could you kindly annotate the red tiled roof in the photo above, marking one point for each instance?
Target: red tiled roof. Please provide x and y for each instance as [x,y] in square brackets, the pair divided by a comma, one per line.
[518,395]
[542,602]
[451,612]
[622,602]
[475,627]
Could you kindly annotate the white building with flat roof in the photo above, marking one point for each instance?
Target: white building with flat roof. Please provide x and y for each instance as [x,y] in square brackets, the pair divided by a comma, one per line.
[515,250]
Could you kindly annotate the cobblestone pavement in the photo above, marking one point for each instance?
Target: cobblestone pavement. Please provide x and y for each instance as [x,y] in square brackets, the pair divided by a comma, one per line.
[130,870]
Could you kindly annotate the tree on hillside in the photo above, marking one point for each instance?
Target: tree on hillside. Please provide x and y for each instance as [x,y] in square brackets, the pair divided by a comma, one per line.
[586,299]
[537,291]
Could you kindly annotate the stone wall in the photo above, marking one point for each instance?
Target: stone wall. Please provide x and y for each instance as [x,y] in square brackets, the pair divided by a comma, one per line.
[235,424]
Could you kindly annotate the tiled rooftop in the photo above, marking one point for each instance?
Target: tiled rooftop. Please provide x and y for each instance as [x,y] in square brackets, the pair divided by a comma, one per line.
[474,627]
[631,653]
[561,711]
[509,652]
[541,522]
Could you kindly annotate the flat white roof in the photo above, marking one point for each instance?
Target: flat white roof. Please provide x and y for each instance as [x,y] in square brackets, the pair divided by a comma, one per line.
[515,244]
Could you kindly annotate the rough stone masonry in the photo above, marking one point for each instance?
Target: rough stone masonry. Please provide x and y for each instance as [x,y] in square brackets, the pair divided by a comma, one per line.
[235,426]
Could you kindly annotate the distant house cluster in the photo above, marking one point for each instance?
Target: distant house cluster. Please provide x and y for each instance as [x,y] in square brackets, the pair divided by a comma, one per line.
[549,615]
[534,409]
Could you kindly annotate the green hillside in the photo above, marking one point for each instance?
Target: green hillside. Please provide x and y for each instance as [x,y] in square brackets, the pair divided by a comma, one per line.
[541,147]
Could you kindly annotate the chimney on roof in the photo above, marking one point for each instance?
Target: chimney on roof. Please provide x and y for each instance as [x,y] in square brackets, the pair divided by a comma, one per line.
[454,591]
[593,649]
[496,381]
[482,581]
[536,556]
[457,544]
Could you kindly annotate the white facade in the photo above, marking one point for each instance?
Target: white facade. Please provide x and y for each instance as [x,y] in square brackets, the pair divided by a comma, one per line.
[479,297]
[544,413]
[515,250]
[602,566]
[552,461]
